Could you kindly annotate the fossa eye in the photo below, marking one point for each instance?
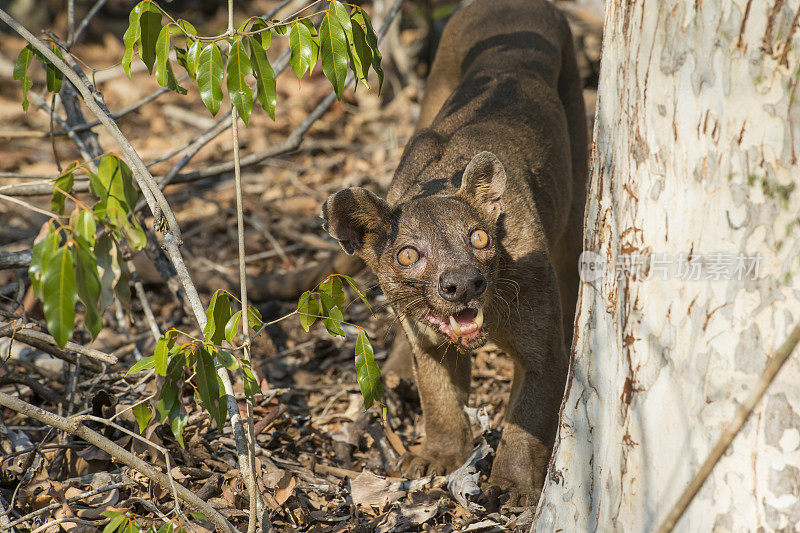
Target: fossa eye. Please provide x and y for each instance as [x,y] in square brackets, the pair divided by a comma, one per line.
[408,256]
[479,239]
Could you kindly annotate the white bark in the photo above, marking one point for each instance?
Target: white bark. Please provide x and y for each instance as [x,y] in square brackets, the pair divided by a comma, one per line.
[697,136]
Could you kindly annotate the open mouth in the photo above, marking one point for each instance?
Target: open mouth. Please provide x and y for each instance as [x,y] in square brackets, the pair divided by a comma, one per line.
[463,328]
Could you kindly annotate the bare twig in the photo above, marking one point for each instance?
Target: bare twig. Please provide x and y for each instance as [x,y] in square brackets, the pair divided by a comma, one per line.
[148,312]
[258,514]
[37,338]
[74,427]
[26,205]
[19,259]
[744,411]
[85,22]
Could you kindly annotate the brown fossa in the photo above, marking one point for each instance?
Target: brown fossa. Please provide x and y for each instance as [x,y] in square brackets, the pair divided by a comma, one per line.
[481,231]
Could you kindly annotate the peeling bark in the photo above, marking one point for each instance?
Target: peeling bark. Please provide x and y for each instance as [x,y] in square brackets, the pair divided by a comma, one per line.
[695,162]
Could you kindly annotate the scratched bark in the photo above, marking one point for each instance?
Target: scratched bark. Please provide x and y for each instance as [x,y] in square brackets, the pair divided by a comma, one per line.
[696,145]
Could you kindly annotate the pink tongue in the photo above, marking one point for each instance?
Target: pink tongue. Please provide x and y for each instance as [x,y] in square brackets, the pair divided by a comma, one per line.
[466,316]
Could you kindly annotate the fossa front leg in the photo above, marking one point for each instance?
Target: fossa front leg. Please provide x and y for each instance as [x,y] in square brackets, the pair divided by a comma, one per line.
[535,342]
[443,379]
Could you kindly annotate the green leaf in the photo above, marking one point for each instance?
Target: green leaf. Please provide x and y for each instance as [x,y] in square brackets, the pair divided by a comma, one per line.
[342,16]
[88,284]
[279,27]
[227,360]
[85,225]
[303,45]
[308,309]
[264,36]
[164,346]
[209,77]
[355,59]
[21,73]
[145,363]
[265,77]
[167,400]
[143,413]
[43,250]
[332,286]
[360,16]
[187,27]
[64,183]
[367,371]
[254,318]
[333,49]
[54,76]
[208,388]
[164,74]
[113,184]
[232,327]
[117,519]
[350,281]
[193,58]
[177,421]
[218,314]
[334,322]
[59,294]
[108,267]
[239,92]
[251,387]
[360,52]
[132,35]
[150,22]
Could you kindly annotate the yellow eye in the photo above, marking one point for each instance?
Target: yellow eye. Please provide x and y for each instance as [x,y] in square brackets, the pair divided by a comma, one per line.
[479,239]
[408,256]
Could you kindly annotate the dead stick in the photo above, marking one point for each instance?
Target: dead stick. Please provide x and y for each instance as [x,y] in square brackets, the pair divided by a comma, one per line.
[25,334]
[744,411]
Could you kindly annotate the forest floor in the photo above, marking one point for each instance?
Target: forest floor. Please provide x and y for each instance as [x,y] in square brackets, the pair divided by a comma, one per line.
[320,454]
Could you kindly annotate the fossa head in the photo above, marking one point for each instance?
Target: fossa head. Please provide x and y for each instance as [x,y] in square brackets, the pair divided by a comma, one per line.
[435,256]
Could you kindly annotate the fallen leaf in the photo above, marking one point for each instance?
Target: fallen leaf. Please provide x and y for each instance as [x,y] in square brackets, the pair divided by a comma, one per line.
[284,488]
[463,481]
[369,489]
[404,517]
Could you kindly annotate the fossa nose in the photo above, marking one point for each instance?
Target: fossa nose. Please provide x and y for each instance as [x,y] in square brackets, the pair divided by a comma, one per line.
[461,284]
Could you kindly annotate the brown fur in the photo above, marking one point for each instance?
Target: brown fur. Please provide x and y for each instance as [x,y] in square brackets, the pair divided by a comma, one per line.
[505,82]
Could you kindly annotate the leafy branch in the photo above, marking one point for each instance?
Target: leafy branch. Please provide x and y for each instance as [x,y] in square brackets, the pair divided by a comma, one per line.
[343,38]
[327,304]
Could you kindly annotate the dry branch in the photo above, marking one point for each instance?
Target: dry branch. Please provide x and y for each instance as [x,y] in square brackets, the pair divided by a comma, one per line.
[744,411]
[47,343]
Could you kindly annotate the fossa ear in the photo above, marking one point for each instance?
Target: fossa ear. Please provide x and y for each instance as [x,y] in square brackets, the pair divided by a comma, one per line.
[483,183]
[351,214]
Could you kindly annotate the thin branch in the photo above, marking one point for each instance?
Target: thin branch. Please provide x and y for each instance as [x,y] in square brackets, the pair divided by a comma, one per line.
[744,411]
[148,312]
[26,205]
[85,22]
[36,338]
[74,427]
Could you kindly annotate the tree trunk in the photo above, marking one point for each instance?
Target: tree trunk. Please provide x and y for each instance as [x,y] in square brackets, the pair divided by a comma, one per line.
[694,214]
